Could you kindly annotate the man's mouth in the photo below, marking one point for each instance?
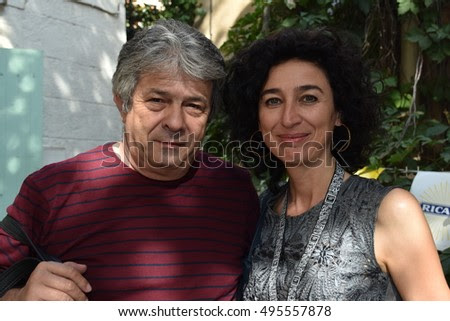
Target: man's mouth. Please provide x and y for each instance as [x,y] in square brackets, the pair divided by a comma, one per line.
[173,144]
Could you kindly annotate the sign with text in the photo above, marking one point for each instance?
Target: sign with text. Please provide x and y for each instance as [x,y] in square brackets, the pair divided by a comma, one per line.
[432,190]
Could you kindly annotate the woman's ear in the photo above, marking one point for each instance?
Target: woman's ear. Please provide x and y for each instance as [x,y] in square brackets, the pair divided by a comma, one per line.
[338,121]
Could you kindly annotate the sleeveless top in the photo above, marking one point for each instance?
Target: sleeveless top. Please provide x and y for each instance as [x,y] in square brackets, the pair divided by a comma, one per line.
[343,264]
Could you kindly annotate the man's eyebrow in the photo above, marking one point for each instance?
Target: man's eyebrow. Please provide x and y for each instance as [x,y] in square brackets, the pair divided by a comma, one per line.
[156,91]
[197,98]
[165,93]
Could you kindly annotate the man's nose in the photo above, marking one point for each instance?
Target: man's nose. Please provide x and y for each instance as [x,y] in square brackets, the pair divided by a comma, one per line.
[174,119]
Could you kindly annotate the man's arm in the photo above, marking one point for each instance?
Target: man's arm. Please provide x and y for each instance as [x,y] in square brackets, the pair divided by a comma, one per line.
[52,281]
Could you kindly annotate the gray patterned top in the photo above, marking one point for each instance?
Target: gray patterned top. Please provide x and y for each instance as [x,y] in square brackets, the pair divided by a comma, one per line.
[342,266]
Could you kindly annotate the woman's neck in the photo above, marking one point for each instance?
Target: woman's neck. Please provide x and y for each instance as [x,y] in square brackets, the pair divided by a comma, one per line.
[308,187]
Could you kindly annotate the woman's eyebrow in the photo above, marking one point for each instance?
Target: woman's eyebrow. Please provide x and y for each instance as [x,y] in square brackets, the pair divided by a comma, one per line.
[308,87]
[300,88]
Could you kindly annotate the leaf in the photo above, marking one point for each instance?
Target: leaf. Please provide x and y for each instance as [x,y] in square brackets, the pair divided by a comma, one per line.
[436,129]
[419,36]
[397,157]
[289,22]
[424,139]
[385,177]
[437,55]
[378,86]
[364,5]
[290,4]
[404,6]
[446,154]
[390,81]
[428,3]
[433,28]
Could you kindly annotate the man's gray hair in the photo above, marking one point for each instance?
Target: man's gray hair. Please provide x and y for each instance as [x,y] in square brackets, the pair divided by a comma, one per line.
[167,46]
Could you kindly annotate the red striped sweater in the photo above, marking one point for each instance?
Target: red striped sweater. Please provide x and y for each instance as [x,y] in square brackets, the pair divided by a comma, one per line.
[141,239]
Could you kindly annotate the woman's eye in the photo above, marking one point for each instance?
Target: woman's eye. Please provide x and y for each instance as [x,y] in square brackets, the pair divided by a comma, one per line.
[273,101]
[309,99]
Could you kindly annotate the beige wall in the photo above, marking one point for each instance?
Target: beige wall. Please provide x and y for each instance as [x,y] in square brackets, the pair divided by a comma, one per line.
[80,41]
[220,16]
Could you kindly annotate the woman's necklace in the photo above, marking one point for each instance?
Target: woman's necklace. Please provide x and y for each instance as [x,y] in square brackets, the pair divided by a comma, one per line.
[325,210]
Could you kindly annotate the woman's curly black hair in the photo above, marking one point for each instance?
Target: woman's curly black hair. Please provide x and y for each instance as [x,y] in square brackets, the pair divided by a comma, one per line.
[354,96]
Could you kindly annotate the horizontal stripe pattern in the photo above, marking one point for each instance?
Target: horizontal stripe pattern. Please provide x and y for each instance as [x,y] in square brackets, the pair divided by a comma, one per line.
[141,239]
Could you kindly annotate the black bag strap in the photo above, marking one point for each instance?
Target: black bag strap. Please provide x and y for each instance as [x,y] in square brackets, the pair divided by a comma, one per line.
[13,228]
[17,274]
[21,270]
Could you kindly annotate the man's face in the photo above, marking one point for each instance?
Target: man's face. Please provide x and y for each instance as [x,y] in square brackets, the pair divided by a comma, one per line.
[166,123]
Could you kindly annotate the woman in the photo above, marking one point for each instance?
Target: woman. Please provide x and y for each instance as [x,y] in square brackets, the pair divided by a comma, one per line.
[303,102]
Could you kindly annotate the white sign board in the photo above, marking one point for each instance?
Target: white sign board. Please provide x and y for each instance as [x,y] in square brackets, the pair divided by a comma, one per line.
[432,190]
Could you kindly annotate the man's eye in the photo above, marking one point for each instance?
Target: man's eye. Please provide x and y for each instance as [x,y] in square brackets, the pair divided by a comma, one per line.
[195,106]
[155,100]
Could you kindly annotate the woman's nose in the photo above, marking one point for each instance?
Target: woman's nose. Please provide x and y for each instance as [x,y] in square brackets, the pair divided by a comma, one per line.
[290,115]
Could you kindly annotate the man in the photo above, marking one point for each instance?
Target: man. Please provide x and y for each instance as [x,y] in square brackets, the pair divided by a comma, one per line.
[150,217]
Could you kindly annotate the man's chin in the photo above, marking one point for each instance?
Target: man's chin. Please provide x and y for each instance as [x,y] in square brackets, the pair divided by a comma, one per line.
[173,164]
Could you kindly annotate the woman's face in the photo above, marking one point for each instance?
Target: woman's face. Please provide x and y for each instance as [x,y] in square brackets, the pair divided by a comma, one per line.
[297,115]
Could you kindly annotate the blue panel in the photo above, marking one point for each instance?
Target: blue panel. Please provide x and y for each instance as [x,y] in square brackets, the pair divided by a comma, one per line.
[21,108]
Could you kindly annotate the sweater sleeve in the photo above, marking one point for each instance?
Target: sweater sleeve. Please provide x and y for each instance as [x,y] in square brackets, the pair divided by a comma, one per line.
[29,208]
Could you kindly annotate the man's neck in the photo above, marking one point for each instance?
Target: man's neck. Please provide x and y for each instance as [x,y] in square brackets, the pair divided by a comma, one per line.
[160,174]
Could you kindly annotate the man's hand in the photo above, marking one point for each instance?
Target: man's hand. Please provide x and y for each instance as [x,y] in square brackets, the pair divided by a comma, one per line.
[52,281]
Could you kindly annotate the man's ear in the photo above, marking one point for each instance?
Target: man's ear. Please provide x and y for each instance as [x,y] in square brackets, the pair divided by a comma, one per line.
[119,104]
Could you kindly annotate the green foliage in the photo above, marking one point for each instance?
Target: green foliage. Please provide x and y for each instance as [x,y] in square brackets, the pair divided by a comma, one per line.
[416,130]
[435,41]
[183,10]
[445,261]
[405,6]
[409,139]
[406,147]
[432,36]
[283,13]
[413,137]
[140,16]
[416,138]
